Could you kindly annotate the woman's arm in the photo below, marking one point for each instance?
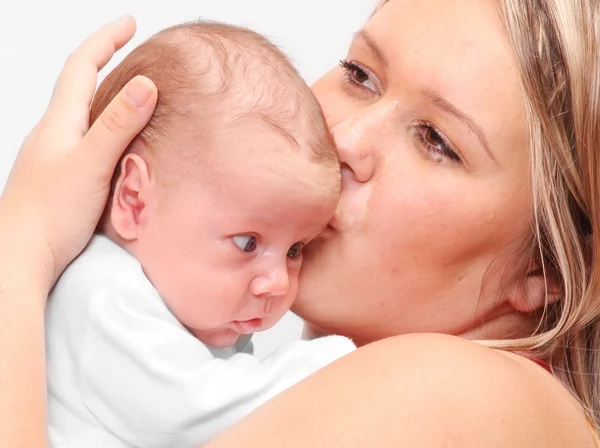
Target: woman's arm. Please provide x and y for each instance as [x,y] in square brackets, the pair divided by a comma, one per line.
[418,391]
[50,206]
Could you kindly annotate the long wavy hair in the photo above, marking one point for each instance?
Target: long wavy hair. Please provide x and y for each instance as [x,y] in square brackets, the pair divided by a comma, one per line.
[557,48]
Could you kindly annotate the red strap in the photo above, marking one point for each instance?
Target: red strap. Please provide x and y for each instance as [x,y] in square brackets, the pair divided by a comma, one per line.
[542,363]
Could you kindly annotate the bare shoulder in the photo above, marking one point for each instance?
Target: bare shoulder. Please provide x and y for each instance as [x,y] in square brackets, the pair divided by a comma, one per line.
[483,397]
[419,391]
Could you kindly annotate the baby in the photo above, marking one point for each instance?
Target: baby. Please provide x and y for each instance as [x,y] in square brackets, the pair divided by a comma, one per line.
[148,331]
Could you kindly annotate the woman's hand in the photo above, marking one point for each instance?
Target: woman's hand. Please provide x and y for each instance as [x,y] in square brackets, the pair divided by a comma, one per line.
[53,199]
[59,183]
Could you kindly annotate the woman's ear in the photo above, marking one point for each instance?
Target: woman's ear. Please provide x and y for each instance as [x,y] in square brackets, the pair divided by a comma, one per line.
[538,291]
[130,196]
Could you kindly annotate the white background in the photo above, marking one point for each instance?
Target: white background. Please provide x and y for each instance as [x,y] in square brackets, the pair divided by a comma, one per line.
[36,36]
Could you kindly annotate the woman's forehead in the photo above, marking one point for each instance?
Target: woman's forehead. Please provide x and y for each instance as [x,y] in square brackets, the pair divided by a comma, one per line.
[438,32]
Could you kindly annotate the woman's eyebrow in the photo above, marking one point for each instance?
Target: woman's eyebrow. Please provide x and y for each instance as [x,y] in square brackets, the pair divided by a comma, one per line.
[375,49]
[445,106]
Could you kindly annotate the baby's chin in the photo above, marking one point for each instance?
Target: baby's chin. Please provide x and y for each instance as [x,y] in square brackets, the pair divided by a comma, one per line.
[224,338]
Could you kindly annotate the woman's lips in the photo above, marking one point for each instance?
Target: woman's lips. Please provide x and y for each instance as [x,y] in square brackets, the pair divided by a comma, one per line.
[334,223]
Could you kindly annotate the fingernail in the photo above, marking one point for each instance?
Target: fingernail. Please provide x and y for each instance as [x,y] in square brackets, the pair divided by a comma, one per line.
[138,91]
[123,19]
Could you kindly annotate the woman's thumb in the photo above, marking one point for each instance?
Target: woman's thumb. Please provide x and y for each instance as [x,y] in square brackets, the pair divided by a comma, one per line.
[124,118]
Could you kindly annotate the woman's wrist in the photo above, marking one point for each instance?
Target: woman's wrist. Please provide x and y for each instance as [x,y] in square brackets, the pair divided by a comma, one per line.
[24,285]
[27,260]
[22,379]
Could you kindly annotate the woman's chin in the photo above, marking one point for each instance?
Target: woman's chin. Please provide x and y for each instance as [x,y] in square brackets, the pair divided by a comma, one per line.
[311,283]
[325,293]
[315,265]
[314,301]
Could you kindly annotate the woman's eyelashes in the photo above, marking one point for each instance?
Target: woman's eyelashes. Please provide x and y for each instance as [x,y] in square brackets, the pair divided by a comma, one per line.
[428,137]
[358,76]
[249,243]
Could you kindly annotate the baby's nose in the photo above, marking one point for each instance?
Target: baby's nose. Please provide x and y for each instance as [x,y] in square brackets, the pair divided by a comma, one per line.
[276,283]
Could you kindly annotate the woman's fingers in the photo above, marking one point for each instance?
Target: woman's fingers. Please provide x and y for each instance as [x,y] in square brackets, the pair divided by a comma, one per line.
[58,186]
[68,110]
[119,123]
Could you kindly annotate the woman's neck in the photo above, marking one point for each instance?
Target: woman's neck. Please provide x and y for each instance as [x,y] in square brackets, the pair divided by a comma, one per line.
[506,324]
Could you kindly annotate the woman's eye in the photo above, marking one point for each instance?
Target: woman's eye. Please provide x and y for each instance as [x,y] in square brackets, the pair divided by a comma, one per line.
[295,251]
[358,76]
[246,243]
[435,143]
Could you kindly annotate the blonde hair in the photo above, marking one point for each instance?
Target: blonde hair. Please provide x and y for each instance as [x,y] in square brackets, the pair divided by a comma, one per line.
[557,47]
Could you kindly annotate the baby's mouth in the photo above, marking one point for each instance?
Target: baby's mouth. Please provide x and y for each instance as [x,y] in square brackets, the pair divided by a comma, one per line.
[247,326]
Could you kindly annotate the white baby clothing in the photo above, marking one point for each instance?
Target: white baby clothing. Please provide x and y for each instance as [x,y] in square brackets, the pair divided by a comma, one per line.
[124,372]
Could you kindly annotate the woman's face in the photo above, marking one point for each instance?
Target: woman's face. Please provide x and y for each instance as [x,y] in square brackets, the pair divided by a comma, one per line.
[429,119]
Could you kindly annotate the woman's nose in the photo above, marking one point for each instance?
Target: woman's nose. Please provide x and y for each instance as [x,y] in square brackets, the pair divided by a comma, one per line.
[358,137]
[274,283]
[353,150]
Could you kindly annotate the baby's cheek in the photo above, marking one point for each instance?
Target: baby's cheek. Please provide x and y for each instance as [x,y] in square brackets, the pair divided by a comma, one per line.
[290,297]
[189,303]
[281,305]
[180,308]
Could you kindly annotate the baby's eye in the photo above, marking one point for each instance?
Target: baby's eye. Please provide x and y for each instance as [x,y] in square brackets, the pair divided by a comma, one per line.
[295,251]
[246,243]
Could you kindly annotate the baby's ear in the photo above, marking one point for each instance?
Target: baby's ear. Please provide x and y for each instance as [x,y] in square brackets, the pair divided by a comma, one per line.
[129,197]
[539,290]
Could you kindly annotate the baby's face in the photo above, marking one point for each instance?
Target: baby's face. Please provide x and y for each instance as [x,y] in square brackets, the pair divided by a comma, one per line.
[225,251]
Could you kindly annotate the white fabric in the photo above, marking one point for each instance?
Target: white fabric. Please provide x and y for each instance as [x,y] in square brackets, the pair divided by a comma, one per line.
[123,372]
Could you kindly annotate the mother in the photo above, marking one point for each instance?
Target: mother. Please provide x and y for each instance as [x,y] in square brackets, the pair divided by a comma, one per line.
[468,133]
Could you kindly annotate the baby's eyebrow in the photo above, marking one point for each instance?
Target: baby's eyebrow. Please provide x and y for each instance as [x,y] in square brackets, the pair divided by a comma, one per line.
[373,46]
[444,105]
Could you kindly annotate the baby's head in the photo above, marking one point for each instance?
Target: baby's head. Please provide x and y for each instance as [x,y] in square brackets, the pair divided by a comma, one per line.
[233,175]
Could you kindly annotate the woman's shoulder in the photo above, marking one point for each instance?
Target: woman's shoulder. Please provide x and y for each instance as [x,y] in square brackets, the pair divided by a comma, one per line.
[477,395]
[419,390]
